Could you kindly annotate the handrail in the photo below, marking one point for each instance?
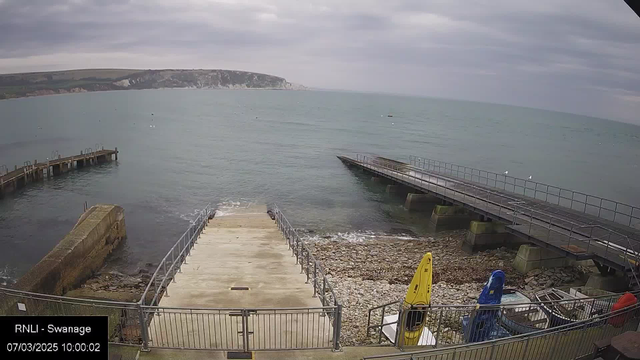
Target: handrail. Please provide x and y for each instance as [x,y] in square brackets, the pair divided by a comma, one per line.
[299,247]
[192,233]
[518,304]
[237,308]
[543,188]
[57,298]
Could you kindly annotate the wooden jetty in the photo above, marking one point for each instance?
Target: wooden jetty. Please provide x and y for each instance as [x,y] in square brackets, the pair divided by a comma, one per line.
[30,172]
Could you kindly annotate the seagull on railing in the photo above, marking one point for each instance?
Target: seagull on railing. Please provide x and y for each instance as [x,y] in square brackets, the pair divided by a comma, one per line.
[530,177]
[506,172]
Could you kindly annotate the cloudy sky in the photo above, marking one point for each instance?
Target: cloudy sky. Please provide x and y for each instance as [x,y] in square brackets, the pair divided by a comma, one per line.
[579,56]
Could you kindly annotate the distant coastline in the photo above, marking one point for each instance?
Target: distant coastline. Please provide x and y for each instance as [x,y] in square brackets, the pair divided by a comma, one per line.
[89,80]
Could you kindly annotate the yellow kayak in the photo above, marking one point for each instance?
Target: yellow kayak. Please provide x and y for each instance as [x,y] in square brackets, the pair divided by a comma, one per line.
[418,298]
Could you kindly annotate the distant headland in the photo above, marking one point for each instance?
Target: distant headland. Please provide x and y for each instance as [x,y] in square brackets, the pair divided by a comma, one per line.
[85,80]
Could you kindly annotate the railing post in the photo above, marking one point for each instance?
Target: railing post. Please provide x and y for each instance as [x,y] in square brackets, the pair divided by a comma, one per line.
[324,290]
[143,328]
[399,340]
[570,236]
[439,327]
[306,282]
[245,330]
[384,308]
[301,261]
[315,278]
[600,207]
[337,327]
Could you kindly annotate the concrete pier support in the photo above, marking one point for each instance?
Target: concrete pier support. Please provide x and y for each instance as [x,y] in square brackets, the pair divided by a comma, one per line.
[615,283]
[420,202]
[532,257]
[399,190]
[484,235]
[449,218]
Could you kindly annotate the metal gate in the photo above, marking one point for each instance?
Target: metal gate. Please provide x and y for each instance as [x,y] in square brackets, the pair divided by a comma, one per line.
[243,329]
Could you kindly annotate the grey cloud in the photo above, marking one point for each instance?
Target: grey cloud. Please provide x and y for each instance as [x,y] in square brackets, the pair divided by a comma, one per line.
[498,50]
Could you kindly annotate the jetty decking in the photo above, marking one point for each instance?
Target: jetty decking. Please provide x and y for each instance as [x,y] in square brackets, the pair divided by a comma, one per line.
[539,218]
[29,172]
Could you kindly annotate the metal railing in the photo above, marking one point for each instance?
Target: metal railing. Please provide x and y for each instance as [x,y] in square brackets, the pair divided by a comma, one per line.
[611,210]
[124,318]
[500,205]
[173,260]
[242,329]
[445,323]
[313,270]
[566,342]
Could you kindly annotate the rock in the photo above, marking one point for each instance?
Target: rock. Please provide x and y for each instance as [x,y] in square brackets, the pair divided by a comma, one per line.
[534,272]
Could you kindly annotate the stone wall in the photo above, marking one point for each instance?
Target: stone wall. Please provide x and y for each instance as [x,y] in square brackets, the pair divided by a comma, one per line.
[79,254]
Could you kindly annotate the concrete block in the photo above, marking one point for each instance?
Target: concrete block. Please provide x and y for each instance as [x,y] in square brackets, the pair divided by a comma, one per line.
[420,202]
[445,210]
[449,218]
[612,283]
[398,190]
[484,235]
[485,227]
[532,257]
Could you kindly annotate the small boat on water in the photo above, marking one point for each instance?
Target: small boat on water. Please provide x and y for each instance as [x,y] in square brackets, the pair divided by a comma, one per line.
[521,319]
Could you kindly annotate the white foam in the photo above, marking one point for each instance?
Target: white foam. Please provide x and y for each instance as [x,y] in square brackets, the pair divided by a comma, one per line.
[354,236]
[233,207]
